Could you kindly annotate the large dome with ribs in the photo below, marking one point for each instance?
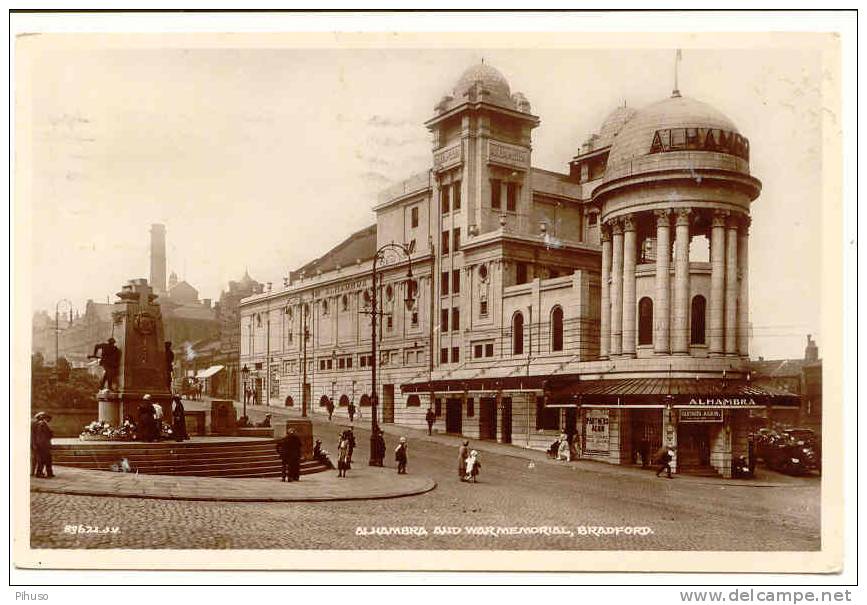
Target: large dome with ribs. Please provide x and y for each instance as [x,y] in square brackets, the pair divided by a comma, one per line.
[635,147]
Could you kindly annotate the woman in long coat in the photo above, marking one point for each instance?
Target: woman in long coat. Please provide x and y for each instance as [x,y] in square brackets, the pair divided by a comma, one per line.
[146,424]
[463,454]
[179,423]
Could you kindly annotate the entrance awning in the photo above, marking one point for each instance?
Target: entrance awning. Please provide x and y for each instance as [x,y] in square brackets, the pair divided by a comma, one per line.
[705,392]
[208,372]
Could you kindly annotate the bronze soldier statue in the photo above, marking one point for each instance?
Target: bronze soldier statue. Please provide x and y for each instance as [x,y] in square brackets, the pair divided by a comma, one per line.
[109,358]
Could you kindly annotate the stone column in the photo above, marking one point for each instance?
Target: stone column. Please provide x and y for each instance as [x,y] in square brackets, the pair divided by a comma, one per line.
[616,287]
[744,298]
[680,341]
[662,304]
[731,329]
[605,312]
[716,341]
[629,252]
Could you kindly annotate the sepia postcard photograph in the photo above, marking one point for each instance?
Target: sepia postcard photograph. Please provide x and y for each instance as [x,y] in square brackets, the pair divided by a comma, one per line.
[432,300]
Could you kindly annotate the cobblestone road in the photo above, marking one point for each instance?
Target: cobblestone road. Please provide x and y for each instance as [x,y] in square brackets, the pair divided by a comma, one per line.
[680,513]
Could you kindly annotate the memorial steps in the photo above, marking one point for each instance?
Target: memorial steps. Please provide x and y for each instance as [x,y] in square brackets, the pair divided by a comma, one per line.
[205,457]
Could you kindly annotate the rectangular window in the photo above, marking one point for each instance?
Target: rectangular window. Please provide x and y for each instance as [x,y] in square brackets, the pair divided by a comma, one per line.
[444,283]
[414,217]
[389,322]
[471,408]
[444,355]
[483,308]
[349,362]
[495,194]
[445,242]
[438,407]
[444,199]
[414,319]
[591,218]
[521,273]
[444,320]
[456,195]
[456,239]
[547,419]
[456,354]
[456,281]
[341,363]
[328,364]
[511,196]
[362,360]
[456,319]
[321,364]
[489,349]
[477,351]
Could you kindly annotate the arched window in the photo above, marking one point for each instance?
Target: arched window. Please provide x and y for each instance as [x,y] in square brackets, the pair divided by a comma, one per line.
[645,321]
[697,321]
[557,329]
[323,401]
[289,401]
[364,401]
[343,401]
[518,334]
[413,401]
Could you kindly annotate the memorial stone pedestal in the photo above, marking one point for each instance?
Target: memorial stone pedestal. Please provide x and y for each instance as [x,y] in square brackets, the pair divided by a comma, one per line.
[138,329]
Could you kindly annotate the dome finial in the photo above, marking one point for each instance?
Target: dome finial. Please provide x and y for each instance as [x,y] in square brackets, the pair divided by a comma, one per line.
[677,58]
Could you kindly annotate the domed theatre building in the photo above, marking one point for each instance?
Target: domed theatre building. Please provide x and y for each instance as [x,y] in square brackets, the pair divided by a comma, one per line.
[609,302]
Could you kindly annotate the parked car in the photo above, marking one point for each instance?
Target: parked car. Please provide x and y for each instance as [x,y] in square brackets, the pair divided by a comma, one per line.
[792,458]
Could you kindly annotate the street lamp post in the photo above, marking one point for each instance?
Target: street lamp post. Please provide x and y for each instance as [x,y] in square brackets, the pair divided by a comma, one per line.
[57,329]
[305,335]
[375,313]
[245,372]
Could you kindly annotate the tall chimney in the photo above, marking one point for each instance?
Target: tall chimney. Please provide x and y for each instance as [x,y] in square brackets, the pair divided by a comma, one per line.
[158,258]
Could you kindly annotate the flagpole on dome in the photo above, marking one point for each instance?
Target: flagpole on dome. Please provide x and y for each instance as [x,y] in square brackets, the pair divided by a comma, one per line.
[677,58]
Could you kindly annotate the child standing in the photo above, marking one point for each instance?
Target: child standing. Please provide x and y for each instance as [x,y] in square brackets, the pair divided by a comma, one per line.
[400,456]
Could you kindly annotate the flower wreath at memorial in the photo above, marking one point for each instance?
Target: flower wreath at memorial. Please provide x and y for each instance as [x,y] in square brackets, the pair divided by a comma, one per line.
[103,431]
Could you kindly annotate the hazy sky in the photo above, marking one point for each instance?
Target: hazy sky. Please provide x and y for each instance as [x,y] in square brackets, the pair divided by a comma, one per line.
[264,158]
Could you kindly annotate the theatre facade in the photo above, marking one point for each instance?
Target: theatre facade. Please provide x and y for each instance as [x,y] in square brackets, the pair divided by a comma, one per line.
[609,302]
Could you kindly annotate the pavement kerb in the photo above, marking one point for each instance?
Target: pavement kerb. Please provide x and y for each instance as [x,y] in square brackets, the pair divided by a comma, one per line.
[430,486]
[515,451]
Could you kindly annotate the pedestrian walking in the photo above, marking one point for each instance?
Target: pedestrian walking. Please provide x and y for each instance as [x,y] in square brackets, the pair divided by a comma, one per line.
[400,456]
[473,466]
[343,463]
[430,417]
[463,454]
[179,422]
[351,411]
[664,456]
[329,407]
[43,447]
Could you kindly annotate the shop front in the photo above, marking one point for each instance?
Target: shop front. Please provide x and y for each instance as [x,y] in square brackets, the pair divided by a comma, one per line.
[706,423]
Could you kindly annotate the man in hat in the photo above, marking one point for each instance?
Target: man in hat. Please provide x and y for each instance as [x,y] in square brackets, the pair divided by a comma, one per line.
[430,417]
[43,435]
[289,449]
[109,358]
[33,424]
